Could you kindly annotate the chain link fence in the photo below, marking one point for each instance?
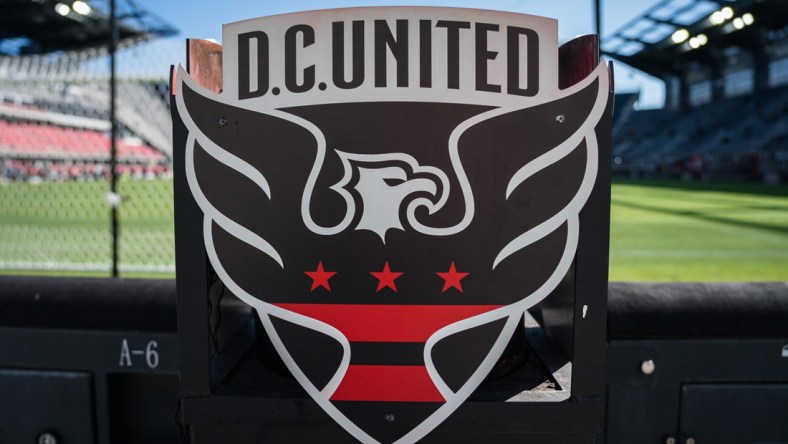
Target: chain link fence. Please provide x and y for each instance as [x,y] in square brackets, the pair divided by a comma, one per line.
[54,161]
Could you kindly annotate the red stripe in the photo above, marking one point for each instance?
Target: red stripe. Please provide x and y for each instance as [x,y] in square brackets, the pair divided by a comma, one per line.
[405,383]
[388,323]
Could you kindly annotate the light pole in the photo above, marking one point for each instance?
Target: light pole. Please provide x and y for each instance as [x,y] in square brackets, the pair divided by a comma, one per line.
[113,159]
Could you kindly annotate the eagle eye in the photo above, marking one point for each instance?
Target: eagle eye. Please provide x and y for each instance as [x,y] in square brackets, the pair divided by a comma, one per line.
[393,182]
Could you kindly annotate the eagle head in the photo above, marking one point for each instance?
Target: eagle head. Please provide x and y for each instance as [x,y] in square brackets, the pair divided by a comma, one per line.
[385,184]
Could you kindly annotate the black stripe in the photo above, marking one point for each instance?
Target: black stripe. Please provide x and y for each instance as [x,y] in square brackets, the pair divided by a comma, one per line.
[387,353]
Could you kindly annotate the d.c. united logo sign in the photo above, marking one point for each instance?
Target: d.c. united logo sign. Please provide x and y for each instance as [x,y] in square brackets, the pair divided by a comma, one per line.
[390,188]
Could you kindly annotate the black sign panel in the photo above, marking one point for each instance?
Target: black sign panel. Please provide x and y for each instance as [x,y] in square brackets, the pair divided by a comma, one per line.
[390,189]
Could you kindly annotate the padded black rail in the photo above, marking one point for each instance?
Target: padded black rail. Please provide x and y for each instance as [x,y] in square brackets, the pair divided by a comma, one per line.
[88,303]
[697,310]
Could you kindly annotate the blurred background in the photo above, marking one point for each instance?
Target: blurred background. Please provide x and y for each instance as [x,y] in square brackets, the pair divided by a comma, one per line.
[700,132]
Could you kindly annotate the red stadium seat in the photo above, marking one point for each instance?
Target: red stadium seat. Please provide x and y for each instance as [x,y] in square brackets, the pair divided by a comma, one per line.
[33,140]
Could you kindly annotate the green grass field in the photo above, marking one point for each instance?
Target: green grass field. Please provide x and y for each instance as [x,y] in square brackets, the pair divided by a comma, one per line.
[64,228]
[660,231]
[698,232]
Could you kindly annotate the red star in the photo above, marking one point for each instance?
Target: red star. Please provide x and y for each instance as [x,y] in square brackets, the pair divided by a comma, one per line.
[386,277]
[320,277]
[452,278]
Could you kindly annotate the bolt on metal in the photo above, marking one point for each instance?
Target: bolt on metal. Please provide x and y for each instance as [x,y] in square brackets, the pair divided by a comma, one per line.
[648,367]
[670,440]
[389,417]
[560,118]
[690,441]
[222,121]
[47,438]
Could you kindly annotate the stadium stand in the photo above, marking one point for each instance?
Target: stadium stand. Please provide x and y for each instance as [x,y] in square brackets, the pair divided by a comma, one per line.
[141,109]
[725,67]
[29,133]
[33,141]
[55,98]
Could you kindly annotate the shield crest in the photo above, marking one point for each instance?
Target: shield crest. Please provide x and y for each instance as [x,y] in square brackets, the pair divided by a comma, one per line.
[390,235]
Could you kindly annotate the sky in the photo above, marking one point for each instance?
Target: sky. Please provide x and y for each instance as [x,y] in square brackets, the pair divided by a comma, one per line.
[204,19]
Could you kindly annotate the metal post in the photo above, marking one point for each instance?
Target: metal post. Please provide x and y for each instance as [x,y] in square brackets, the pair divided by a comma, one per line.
[598,19]
[113,160]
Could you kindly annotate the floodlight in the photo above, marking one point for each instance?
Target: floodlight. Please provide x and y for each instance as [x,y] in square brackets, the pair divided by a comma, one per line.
[680,35]
[702,39]
[694,43]
[717,18]
[738,23]
[727,12]
[81,7]
[62,9]
[748,19]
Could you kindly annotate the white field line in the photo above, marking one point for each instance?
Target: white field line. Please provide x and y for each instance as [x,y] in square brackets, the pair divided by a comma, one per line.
[700,253]
[85,266]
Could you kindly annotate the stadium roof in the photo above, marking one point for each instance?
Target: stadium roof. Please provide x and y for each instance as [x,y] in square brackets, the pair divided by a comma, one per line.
[45,26]
[674,32]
